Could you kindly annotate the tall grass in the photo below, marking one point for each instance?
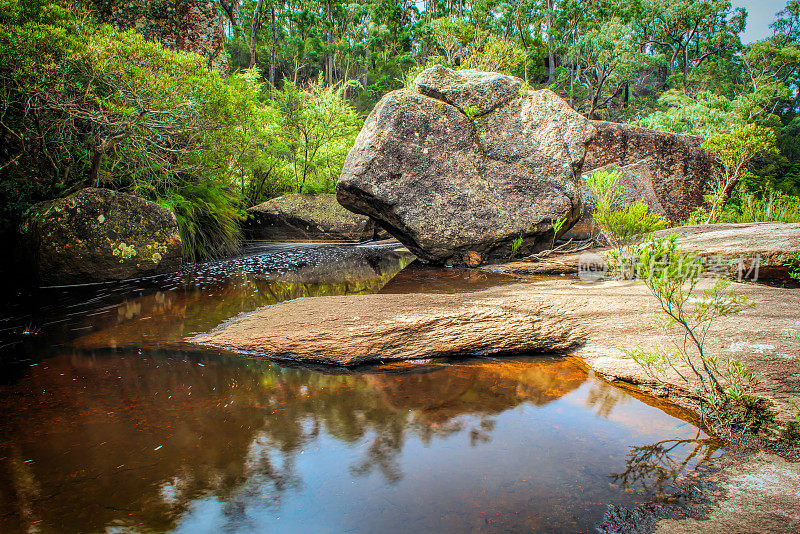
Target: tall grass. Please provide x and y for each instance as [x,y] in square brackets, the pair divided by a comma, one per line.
[763,206]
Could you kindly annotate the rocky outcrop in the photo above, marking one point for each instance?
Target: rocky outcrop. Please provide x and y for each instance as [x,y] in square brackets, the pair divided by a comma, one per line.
[188,26]
[592,321]
[670,172]
[745,251]
[307,218]
[359,329]
[467,164]
[99,235]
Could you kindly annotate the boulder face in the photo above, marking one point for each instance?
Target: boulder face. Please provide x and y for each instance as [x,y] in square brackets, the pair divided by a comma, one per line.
[99,235]
[460,174]
[188,26]
[307,218]
[670,172]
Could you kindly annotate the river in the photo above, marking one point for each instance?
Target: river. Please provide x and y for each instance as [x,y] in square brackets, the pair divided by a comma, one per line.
[111,422]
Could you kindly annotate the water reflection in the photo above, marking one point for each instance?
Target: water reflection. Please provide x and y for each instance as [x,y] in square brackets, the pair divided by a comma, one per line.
[163,441]
[161,312]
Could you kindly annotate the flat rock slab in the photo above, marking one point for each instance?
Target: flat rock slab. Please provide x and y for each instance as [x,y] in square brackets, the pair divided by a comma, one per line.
[306,217]
[759,493]
[359,329]
[735,247]
[591,320]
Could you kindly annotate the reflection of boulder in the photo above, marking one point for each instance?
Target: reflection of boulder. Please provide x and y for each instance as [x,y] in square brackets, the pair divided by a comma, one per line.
[162,319]
[421,278]
[478,388]
[357,264]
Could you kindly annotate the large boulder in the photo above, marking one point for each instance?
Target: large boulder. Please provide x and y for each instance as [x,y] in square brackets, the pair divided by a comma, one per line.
[467,164]
[304,217]
[99,235]
[670,172]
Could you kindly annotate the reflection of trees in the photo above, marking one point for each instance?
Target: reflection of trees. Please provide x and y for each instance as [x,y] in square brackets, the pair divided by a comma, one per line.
[204,299]
[605,398]
[89,439]
[654,467]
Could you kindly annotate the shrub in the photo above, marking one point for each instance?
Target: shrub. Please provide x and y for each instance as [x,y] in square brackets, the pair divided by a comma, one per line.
[622,224]
[721,390]
[734,150]
[94,106]
[312,131]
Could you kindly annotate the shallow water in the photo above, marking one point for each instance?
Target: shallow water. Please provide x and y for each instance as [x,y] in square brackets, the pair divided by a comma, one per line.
[110,422]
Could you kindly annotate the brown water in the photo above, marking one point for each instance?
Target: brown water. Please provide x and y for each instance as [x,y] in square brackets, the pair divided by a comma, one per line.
[109,422]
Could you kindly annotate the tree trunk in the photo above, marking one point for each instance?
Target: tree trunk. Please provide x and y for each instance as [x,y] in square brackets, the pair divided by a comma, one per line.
[551,58]
[273,56]
[255,26]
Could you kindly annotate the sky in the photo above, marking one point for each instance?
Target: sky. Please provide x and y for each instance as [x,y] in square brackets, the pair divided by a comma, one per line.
[760,14]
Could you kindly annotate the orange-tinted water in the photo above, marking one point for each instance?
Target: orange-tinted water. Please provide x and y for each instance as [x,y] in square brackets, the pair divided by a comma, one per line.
[109,422]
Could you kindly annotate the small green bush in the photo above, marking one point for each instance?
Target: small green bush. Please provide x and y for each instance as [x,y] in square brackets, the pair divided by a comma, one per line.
[621,223]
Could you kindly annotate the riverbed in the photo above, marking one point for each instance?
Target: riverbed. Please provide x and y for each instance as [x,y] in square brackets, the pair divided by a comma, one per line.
[110,421]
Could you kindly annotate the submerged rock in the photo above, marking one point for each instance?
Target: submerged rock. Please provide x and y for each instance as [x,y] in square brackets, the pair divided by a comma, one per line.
[471,162]
[303,217]
[99,235]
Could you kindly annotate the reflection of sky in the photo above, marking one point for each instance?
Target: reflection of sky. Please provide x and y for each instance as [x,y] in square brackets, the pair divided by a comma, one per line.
[536,460]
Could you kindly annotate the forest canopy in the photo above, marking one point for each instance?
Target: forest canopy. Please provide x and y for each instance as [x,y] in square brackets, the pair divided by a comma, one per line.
[83,103]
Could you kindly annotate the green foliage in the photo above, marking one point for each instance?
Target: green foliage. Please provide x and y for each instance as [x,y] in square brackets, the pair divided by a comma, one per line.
[722,389]
[311,132]
[497,55]
[622,224]
[108,108]
[515,245]
[556,225]
[471,112]
[208,216]
[762,206]
[452,35]
[734,150]
[606,187]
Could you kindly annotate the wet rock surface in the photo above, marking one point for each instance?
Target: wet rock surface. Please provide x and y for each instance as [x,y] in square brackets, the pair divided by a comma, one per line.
[99,235]
[306,217]
[361,329]
[591,320]
[458,188]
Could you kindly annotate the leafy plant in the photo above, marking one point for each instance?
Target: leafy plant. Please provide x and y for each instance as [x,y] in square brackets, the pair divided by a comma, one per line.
[515,246]
[471,112]
[556,225]
[622,224]
[721,389]
[734,150]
